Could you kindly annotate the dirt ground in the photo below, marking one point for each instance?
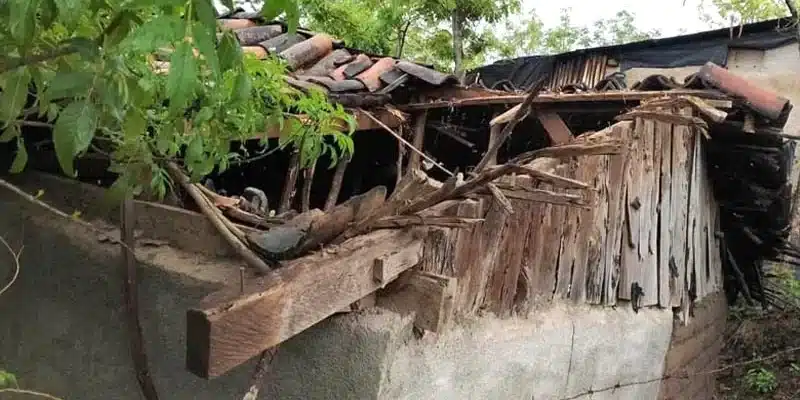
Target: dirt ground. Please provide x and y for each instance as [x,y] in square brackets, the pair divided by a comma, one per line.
[754,334]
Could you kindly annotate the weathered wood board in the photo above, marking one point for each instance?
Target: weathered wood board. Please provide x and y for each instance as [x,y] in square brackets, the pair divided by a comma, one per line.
[232,326]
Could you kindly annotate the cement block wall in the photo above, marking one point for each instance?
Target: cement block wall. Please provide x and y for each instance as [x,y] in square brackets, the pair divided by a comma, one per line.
[63,332]
[695,348]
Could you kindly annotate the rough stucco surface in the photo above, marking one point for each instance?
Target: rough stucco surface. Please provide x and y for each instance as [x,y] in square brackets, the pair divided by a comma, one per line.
[558,353]
[63,332]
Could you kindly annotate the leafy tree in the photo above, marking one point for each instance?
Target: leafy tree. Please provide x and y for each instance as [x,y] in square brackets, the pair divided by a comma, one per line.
[533,38]
[464,17]
[745,11]
[91,69]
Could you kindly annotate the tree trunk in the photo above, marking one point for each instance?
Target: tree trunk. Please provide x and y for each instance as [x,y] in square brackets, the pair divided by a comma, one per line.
[458,45]
[401,39]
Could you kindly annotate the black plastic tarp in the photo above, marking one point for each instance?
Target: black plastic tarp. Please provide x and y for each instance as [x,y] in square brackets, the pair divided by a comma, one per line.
[673,52]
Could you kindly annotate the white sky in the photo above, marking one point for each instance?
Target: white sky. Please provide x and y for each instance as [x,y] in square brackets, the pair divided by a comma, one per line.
[669,16]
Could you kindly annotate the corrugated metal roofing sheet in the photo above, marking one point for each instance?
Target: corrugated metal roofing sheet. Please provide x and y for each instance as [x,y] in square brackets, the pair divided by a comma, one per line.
[320,61]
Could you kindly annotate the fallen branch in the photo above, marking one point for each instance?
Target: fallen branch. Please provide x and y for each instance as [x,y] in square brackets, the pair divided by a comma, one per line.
[30,393]
[403,221]
[670,118]
[217,219]
[606,147]
[491,152]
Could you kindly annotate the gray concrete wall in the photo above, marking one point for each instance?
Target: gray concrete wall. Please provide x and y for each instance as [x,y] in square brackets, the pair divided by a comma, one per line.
[62,331]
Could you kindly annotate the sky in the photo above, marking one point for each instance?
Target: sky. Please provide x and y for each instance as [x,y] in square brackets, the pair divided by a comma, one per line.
[668,16]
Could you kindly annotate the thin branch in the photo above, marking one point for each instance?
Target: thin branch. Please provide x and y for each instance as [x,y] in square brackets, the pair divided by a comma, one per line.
[16,256]
[44,205]
[37,58]
[687,375]
[36,124]
[31,393]
[405,142]
[218,220]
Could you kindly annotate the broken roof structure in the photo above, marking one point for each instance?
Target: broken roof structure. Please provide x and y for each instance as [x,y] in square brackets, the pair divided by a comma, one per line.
[658,195]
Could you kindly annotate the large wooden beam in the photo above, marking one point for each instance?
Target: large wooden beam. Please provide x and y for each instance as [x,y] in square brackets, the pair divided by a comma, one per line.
[234,325]
[363,123]
[443,99]
[557,130]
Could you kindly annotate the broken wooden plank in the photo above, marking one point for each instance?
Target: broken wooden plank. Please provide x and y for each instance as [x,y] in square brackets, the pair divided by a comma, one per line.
[617,188]
[555,127]
[231,326]
[665,224]
[420,119]
[567,242]
[631,265]
[595,268]
[648,245]
[588,170]
[430,297]
[385,268]
[681,167]
[542,196]
[502,284]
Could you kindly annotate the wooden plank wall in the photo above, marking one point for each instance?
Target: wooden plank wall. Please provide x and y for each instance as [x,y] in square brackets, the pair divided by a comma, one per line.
[650,225]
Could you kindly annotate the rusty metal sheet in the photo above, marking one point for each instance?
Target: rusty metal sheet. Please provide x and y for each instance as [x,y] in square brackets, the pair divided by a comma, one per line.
[308,51]
[256,34]
[371,77]
[425,74]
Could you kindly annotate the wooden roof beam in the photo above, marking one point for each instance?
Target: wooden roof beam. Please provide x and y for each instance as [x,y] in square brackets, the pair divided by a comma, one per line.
[231,326]
[363,123]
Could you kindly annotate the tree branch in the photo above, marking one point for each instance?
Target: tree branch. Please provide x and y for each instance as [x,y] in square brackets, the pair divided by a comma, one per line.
[37,58]
[15,255]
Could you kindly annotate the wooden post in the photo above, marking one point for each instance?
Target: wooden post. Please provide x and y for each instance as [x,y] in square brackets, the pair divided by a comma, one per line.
[289,183]
[308,179]
[420,119]
[336,184]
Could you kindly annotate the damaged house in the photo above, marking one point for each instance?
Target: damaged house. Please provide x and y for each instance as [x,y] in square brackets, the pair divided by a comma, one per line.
[549,231]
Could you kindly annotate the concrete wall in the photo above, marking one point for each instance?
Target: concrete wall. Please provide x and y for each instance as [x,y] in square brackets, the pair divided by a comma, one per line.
[62,331]
[695,348]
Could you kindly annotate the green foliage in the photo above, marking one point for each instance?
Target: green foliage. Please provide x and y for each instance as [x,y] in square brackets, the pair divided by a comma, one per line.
[744,11]
[794,368]
[761,380]
[7,380]
[531,37]
[93,67]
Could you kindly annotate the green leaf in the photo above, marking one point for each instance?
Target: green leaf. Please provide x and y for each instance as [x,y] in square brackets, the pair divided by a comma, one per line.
[11,131]
[242,88]
[68,84]
[14,94]
[135,124]
[73,132]
[156,33]
[22,20]
[21,158]
[86,47]
[229,52]
[205,39]
[70,11]
[48,13]
[120,27]
[228,3]
[8,380]
[182,78]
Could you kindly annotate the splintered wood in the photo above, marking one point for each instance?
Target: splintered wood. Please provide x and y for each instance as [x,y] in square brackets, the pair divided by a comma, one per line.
[642,232]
